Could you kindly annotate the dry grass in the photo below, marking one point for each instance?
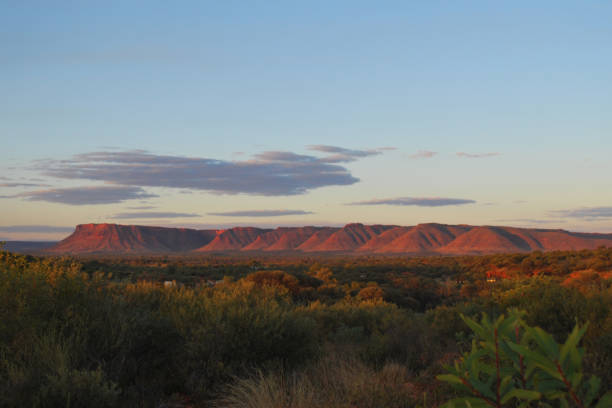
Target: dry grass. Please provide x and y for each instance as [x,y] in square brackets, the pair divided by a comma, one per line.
[333,382]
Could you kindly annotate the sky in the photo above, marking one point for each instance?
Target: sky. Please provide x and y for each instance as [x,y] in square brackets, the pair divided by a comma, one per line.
[274,113]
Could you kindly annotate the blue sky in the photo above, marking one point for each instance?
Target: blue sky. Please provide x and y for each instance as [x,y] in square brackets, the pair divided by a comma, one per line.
[393,112]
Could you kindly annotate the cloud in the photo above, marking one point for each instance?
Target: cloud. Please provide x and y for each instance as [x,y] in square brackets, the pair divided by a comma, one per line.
[141,207]
[270,173]
[531,221]
[152,214]
[586,213]
[36,229]
[269,224]
[423,154]
[477,155]
[280,156]
[416,201]
[342,155]
[261,213]
[23,185]
[87,195]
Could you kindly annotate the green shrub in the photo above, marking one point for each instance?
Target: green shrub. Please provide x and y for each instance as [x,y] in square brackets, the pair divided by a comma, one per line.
[41,374]
[513,364]
[235,327]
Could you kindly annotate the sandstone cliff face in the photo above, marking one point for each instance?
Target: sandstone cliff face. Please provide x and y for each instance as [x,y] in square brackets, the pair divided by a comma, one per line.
[233,239]
[109,238]
[349,238]
[422,238]
[357,238]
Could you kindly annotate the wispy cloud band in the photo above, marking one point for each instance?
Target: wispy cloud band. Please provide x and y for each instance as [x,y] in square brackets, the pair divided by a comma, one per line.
[343,155]
[477,155]
[153,214]
[416,201]
[87,195]
[588,213]
[23,185]
[40,229]
[423,154]
[261,213]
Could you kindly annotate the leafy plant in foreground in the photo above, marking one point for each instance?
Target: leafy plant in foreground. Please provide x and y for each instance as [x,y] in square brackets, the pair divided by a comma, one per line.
[514,365]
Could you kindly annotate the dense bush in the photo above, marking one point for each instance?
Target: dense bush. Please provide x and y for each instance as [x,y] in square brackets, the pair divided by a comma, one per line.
[66,337]
[374,332]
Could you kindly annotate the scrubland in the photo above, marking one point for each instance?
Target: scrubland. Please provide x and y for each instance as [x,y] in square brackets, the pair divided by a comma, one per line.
[291,332]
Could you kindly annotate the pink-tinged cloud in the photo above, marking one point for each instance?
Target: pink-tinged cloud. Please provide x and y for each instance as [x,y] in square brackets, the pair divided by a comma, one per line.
[423,154]
[342,155]
[477,155]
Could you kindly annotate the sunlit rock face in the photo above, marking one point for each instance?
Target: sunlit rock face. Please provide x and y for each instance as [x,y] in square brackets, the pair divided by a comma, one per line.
[113,238]
[352,238]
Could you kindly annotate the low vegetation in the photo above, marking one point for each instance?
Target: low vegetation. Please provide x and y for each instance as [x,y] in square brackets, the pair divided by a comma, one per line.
[302,332]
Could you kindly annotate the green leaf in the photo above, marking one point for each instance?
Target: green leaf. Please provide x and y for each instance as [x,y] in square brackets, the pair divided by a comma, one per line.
[507,326]
[476,328]
[527,395]
[484,389]
[592,389]
[450,378]
[506,384]
[571,342]
[545,341]
[508,352]
[605,401]
[536,358]
[550,385]
[576,379]
[466,402]
[576,358]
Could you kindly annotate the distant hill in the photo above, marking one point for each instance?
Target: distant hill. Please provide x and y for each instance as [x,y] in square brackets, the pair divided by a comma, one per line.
[28,247]
[352,238]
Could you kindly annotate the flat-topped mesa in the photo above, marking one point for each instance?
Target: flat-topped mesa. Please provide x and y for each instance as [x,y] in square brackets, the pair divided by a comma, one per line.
[114,238]
[352,238]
